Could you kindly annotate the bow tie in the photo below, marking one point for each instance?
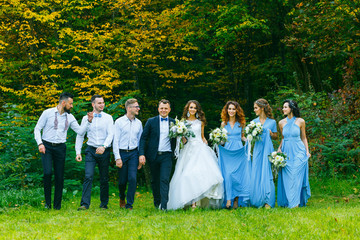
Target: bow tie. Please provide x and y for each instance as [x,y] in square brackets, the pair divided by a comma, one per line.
[164,119]
[97,115]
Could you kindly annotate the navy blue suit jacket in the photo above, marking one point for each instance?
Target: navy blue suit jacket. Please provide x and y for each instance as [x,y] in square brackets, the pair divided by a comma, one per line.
[149,141]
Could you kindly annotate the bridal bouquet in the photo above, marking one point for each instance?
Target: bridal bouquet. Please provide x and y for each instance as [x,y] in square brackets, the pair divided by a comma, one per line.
[278,161]
[180,129]
[253,131]
[218,136]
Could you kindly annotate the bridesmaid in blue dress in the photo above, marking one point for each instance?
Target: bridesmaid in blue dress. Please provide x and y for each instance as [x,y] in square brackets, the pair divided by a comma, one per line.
[262,188]
[233,161]
[293,181]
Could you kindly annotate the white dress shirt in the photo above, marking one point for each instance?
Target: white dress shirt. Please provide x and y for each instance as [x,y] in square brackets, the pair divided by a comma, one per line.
[50,134]
[127,134]
[164,140]
[99,133]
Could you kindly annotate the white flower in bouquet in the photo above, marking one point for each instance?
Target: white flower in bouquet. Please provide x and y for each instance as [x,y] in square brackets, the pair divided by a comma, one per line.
[278,159]
[180,130]
[273,154]
[224,133]
[254,132]
[249,138]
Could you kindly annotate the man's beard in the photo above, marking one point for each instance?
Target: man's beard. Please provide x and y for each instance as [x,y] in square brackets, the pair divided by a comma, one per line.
[67,109]
[98,110]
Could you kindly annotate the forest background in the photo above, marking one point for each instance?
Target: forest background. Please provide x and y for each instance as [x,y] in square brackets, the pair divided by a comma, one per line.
[208,50]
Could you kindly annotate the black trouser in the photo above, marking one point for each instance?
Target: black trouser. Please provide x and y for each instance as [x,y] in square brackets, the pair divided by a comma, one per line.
[103,162]
[54,156]
[127,174]
[160,178]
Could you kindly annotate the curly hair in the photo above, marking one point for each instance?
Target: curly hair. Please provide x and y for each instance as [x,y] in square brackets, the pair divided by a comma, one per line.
[199,111]
[263,103]
[293,106]
[240,116]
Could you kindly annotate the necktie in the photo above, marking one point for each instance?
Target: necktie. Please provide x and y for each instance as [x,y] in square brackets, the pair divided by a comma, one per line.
[66,123]
[164,119]
[56,122]
[97,115]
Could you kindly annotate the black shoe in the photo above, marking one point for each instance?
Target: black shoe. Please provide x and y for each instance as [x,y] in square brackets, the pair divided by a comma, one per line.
[104,207]
[47,207]
[81,208]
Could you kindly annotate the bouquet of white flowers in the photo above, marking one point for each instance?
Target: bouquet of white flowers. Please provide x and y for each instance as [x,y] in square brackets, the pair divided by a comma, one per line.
[253,131]
[218,136]
[180,129]
[278,161]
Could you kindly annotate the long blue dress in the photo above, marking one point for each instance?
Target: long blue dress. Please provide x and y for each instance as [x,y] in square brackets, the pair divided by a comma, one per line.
[262,188]
[235,167]
[293,181]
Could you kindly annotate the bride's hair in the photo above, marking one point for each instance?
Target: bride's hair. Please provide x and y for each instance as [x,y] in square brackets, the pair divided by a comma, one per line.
[199,111]
[240,116]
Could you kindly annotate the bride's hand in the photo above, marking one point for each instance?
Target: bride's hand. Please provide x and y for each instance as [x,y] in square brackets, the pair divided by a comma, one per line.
[204,140]
[184,140]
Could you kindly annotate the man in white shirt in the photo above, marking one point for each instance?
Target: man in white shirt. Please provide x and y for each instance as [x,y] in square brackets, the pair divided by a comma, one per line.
[128,131]
[54,123]
[100,135]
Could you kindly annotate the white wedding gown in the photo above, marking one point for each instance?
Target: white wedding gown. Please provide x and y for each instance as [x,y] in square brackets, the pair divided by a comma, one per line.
[197,175]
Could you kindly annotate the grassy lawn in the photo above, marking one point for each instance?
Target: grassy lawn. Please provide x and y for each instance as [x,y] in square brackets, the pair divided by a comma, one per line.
[333,213]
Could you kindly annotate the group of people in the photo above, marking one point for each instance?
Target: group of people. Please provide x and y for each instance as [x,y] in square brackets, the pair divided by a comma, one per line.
[202,178]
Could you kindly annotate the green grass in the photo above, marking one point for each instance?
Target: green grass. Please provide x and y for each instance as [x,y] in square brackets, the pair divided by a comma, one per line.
[333,213]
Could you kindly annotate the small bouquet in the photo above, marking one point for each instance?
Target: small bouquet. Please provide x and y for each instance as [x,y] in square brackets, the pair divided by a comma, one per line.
[180,129]
[253,131]
[278,161]
[218,136]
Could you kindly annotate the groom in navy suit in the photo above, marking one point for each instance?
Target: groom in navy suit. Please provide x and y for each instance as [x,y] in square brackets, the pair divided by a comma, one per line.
[157,148]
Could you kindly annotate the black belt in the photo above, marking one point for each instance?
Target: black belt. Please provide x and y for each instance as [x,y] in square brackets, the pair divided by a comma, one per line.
[52,144]
[161,153]
[126,150]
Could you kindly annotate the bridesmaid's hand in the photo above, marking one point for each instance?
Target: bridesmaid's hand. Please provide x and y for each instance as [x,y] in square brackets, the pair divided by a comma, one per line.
[279,150]
[308,154]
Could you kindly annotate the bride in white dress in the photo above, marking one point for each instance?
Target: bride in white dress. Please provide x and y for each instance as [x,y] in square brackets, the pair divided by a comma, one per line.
[197,180]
